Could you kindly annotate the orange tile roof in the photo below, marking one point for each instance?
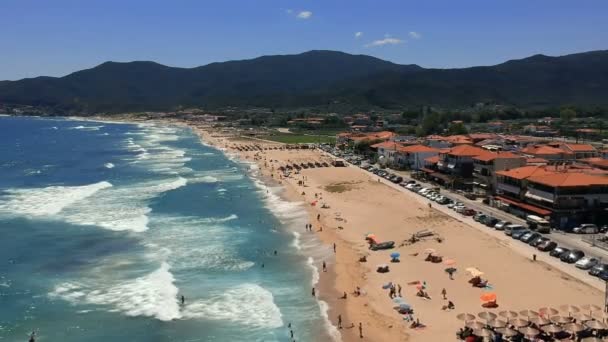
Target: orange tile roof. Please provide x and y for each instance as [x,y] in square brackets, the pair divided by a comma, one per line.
[568,179]
[523,172]
[432,160]
[417,149]
[389,145]
[544,149]
[467,150]
[580,147]
[482,136]
[459,139]
[599,162]
[500,155]
[536,160]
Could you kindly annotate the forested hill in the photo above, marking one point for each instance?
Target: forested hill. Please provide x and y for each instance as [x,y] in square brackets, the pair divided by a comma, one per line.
[316,78]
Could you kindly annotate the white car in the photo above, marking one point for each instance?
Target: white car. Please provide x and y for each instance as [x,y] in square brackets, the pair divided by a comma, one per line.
[424,191]
[587,228]
[586,263]
[410,186]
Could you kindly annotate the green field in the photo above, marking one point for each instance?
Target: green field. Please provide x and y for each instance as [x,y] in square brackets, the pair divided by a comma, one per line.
[300,138]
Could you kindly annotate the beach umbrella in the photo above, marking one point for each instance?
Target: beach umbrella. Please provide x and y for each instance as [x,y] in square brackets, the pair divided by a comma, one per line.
[488,297]
[465,317]
[595,325]
[404,306]
[528,313]
[570,308]
[430,251]
[561,319]
[582,317]
[591,307]
[552,329]
[486,315]
[519,323]
[497,323]
[398,300]
[450,270]
[482,332]
[475,325]
[450,262]
[474,271]
[529,331]
[547,311]
[574,327]
[507,332]
[508,314]
[540,320]
[395,255]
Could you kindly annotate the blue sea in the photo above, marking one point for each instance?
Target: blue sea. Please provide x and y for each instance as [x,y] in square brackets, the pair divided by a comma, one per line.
[104,226]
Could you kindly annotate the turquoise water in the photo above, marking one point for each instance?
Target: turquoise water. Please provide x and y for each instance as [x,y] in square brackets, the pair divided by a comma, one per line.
[104,226]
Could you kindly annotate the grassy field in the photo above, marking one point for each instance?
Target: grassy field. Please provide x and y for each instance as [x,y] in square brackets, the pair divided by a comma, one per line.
[300,138]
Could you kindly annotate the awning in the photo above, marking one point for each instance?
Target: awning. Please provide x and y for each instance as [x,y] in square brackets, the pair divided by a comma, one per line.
[424,169]
[528,207]
[441,176]
[538,198]
[451,166]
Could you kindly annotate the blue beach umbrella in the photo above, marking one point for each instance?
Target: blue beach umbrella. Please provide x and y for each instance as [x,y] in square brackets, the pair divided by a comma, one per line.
[395,255]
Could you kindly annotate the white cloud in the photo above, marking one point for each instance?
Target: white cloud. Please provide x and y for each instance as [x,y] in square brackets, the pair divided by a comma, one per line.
[358,35]
[385,41]
[304,15]
[415,35]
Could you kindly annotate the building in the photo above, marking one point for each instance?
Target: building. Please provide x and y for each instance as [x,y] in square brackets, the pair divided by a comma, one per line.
[486,165]
[412,157]
[566,195]
[552,154]
[580,151]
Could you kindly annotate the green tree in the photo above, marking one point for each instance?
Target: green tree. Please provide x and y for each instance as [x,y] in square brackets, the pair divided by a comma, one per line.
[457,128]
[566,115]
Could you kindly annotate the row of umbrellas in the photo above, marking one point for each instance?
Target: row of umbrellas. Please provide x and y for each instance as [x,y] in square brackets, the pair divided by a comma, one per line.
[546,319]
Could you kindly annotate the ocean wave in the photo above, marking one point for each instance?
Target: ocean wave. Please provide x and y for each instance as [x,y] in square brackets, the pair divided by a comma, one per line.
[246,304]
[47,201]
[152,295]
[87,128]
[108,165]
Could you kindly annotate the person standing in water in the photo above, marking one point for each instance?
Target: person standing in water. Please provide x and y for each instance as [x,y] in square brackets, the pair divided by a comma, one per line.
[324,267]
[183,300]
[32,337]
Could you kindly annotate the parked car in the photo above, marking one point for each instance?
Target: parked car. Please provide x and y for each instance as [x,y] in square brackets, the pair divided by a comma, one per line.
[604,228]
[501,225]
[538,241]
[460,209]
[468,212]
[479,216]
[491,221]
[519,233]
[513,227]
[557,252]
[424,191]
[603,275]
[597,269]
[451,205]
[529,236]
[547,246]
[398,179]
[586,263]
[586,228]
[572,256]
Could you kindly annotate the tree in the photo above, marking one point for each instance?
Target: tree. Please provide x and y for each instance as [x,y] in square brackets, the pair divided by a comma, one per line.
[566,115]
[457,128]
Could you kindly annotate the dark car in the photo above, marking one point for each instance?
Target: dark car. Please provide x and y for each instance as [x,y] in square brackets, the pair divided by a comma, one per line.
[518,234]
[547,246]
[558,251]
[491,221]
[603,275]
[397,179]
[572,257]
[529,237]
[597,269]
[537,241]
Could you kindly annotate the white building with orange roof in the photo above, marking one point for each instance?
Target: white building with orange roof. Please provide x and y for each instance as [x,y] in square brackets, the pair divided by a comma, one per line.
[486,165]
[412,157]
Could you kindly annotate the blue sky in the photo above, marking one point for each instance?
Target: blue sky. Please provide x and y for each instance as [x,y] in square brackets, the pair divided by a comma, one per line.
[56,37]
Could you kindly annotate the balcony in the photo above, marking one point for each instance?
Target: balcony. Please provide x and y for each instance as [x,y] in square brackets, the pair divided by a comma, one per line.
[508,188]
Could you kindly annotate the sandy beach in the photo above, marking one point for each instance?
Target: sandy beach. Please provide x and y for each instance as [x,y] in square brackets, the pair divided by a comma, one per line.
[359,204]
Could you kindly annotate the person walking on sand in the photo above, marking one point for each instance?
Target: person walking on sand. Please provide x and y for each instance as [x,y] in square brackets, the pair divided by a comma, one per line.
[444,293]
[360,330]
[334,247]
[324,267]
[339,321]
[318,217]
[399,289]
[313,292]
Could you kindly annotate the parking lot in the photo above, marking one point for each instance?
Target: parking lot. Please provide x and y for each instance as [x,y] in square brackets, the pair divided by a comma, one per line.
[580,257]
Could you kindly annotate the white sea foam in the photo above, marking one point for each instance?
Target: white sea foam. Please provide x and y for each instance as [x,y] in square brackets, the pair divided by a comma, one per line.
[47,201]
[333,332]
[87,128]
[108,165]
[296,240]
[315,270]
[152,295]
[247,304]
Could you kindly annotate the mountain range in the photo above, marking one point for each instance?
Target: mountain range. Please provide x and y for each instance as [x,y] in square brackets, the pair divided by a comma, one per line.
[315,79]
